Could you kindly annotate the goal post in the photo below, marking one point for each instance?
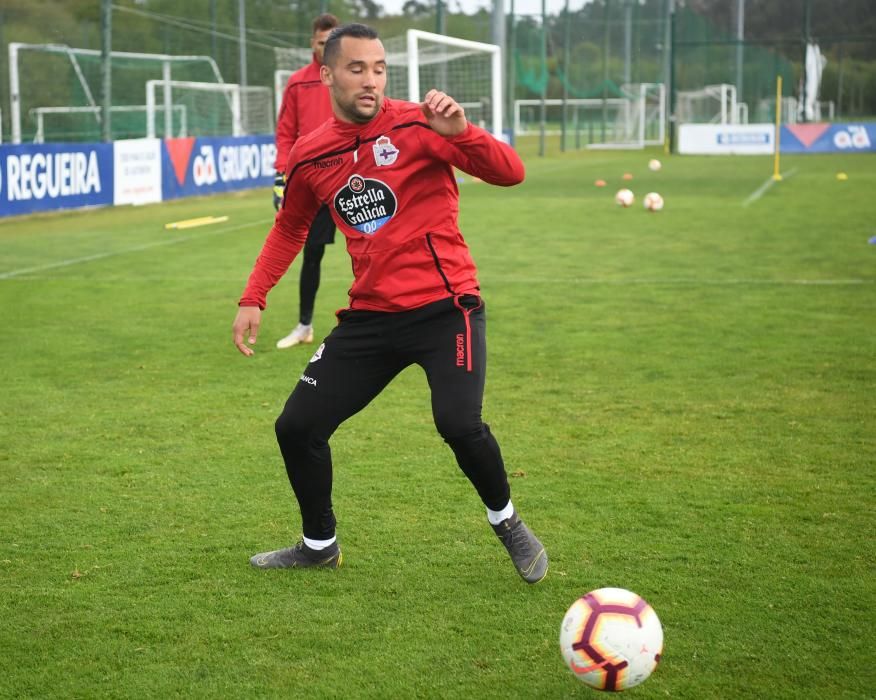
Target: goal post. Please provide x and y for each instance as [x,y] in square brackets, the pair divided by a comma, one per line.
[635,120]
[640,119]
[468,71]
[281,77]
[85,121]
[212,109]
[456,66]
[58,75]
[713,104]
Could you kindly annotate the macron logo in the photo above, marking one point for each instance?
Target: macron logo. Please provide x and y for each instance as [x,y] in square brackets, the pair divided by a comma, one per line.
[308,380]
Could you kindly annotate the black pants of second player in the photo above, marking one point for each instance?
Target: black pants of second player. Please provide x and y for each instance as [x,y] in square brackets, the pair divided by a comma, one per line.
[322,232]
[354,364]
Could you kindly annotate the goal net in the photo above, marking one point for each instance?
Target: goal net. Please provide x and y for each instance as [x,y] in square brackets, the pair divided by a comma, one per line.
[128,121]
[713,104]
[208,109]
[634,121]
[469,71]
[47,76]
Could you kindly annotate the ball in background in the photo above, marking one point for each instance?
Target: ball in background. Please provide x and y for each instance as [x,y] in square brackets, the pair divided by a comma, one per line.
[654,164]
[611,639]
[653,202]
[624,197]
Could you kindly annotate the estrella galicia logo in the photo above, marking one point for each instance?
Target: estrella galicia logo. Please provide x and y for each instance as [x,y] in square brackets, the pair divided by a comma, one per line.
[365,204]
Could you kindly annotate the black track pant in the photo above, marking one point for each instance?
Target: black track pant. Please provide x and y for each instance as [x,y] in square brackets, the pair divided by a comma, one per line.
[322,232]
[357,360]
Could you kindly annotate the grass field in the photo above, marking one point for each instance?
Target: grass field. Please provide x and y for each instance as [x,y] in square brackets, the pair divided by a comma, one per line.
[686,402]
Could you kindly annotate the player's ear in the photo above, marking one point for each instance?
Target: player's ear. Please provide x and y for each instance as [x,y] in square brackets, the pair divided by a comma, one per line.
[325,75]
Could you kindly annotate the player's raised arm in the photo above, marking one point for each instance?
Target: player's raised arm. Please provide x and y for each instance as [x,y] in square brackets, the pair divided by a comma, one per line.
[444,114]
[468,147]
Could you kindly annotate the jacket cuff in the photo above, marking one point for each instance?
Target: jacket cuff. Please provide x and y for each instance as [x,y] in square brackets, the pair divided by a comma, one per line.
[463,135]
[249,301]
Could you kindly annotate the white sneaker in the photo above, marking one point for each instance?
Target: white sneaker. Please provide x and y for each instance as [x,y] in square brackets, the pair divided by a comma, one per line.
[300,334]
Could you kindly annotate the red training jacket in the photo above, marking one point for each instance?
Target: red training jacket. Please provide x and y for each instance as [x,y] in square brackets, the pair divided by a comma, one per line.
[391,190]
[306,105]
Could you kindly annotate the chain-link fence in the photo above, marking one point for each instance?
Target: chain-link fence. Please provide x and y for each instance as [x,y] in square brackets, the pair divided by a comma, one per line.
[591,50]
[587,57]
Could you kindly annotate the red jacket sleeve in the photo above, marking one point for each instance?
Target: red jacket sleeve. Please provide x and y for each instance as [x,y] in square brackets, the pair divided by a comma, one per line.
[284,242]
[287,125]
[478,153]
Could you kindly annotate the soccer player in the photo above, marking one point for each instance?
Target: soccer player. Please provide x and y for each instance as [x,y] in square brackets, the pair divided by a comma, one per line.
[305,105]
[385,168]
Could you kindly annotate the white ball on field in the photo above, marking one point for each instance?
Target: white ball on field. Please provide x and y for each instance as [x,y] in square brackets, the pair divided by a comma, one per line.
[611,639]
[624,197]
[654,164]
[653,202]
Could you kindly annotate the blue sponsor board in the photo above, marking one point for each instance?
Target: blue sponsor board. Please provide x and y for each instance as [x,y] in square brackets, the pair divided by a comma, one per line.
[194,166]
[829,138]
[45,177]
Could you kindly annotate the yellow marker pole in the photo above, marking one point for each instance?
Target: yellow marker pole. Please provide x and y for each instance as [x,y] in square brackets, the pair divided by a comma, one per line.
[777,175]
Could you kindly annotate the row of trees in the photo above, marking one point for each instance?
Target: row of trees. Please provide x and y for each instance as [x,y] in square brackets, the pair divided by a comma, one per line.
[586,48]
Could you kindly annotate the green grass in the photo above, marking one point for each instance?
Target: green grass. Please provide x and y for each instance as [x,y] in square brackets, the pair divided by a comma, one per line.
[685,401]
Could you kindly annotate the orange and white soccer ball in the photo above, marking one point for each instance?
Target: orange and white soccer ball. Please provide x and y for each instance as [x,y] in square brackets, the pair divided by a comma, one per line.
[653,202]
[624,198]
[611,639]
[654,164]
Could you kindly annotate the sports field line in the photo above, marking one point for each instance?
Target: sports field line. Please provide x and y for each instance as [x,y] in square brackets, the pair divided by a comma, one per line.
[498,280]
[672,281]
[124,251]
[760,191]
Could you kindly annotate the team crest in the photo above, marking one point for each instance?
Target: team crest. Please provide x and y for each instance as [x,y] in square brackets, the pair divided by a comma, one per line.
[318,354]
[384,152]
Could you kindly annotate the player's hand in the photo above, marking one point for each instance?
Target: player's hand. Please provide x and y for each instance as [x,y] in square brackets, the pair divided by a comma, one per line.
[246,324]
[444,114]
[279,186]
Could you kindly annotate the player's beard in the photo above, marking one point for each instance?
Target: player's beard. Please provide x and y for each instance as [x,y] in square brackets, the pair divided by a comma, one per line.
[358,113]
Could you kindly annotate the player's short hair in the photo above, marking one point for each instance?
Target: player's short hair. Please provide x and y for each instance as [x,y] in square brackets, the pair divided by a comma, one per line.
[354,31]
[325,21]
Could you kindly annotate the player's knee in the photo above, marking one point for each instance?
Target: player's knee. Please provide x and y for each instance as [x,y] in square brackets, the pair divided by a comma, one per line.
[460,431]
[313,254]
[293,428]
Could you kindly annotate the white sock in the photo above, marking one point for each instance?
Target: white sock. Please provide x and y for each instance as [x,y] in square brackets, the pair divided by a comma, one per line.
[497,516]
[319,544]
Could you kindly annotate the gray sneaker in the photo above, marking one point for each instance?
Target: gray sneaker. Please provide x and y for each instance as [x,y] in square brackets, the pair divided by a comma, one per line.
[526,551]
[299,556]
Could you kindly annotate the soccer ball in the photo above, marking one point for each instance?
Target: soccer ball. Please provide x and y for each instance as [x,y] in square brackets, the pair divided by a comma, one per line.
[654,164]
[653,202]
[624,197]
[611,639]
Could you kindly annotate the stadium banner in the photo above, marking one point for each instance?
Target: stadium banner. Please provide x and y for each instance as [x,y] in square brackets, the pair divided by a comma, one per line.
[726,139]
[45,177]
[828,138]
[194,166]
[137,171]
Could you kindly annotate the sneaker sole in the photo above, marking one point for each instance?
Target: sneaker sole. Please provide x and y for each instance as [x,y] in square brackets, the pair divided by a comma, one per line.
[282,346]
